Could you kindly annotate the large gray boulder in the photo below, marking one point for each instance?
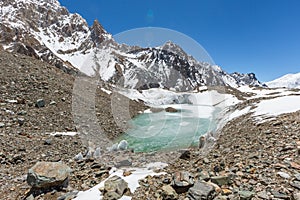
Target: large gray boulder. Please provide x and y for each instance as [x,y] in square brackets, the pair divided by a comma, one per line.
[46,175]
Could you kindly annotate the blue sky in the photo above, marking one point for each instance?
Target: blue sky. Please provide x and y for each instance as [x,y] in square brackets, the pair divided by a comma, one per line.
[260,36]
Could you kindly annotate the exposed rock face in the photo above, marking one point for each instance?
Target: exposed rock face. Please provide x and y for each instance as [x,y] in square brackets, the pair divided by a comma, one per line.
[247,79]
[48,174]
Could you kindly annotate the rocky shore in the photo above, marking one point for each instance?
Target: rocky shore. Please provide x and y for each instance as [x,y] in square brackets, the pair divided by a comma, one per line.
[250,160]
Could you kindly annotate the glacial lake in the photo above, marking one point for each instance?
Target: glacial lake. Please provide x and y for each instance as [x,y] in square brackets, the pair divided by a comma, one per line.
[163,130]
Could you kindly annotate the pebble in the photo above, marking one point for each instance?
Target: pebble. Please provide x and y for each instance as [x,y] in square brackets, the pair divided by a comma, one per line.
[284,175]
[40,103]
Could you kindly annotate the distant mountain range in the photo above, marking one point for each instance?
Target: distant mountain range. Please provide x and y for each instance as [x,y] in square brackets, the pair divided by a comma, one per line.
[287,81]
[47,31]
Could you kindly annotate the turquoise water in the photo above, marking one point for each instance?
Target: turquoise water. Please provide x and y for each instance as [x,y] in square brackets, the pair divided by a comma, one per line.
[167,131]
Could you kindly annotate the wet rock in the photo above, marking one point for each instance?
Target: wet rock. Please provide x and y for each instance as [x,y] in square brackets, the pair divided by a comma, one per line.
[221,180]
[246,195]
[171,110]
[48,174]
[114,188]
[169,193]
[40,103]
[182,181]
[201,190]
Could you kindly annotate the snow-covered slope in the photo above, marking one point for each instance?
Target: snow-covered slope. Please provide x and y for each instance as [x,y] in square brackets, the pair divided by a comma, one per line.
[288,81]
[47,31]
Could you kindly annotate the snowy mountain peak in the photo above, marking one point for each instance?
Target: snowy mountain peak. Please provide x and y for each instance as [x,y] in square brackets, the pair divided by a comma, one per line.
[287,81]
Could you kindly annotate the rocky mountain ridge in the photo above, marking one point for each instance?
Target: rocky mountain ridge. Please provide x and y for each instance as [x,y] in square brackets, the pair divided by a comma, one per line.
[47,31]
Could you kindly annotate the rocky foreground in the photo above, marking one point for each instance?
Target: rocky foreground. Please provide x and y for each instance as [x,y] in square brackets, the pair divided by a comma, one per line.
[250,160]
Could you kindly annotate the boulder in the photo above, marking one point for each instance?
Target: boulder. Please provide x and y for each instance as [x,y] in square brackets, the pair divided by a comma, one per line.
[182,181]
[246,195]
[40,103]
[46,175]
[201,190]
[123,145]
[169,193]
[171,110]
[114,188]
[220,180]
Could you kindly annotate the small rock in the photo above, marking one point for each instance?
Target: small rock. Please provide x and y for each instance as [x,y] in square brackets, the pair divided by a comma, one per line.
[205,161]
[297,196]
[169,193]
[123,163]
[297,176]
[201,142]
[186,154]
[30,197]
[123,145]
[263,195]
[171,110]
[40,103]
[2,125]
[226,191]
[68,196]
[204,175]
[182,181]
[48,142]
[22,112]
[78,157]
[114,188]
[284,175]
[101,172]
[221,180]
[201,190]
[127,173]
[48,174]
[52,103]
[97,153]
[295,184]
[280,195]
[295,165]
[246,195]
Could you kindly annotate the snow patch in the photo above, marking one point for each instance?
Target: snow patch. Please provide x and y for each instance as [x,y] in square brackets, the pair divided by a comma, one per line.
[132,180]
